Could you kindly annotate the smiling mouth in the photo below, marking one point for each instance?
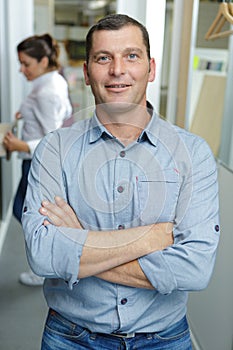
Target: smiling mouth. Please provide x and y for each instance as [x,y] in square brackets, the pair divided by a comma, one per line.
[117,86]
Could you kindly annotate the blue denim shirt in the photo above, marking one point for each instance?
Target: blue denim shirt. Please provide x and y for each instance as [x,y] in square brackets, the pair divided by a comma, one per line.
[168,174]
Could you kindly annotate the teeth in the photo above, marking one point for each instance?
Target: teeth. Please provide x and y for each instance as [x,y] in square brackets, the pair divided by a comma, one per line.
[117,86]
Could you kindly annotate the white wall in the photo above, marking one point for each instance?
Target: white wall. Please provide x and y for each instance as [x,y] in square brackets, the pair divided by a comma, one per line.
[226,150]
[19,23]
[152,14]
[210,311]
[44,16]
[16,18]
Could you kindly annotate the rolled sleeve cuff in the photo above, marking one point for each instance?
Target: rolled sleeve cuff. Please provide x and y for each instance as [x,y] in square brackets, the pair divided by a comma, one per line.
[67,251]
[32,145]
[158,272]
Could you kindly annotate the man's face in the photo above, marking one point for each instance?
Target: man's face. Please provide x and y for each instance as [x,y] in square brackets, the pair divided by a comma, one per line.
[118,69]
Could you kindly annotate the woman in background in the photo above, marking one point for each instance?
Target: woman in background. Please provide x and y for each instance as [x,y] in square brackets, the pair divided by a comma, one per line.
[45,109]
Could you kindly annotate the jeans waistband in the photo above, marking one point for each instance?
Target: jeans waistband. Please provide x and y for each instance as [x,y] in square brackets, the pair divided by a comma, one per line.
[175,328]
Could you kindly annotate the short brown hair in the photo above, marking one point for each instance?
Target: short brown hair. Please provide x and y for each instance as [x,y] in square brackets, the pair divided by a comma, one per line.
[115,22]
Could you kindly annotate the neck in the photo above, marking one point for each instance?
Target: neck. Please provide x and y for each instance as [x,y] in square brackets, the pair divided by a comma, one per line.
[125,124]
[124,132]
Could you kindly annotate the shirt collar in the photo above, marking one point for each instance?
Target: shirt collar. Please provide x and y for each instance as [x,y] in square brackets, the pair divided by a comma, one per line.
[150,133]
[43,78]
[97,130]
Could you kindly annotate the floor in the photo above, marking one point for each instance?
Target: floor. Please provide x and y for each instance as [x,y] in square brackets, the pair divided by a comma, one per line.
[22,309]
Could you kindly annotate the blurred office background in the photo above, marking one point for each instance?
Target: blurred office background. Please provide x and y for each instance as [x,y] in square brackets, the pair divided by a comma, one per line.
[193,89]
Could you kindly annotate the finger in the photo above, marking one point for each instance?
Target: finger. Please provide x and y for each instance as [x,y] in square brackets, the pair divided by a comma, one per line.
[71,218]
[51,213]
[55,209]
[46,223]
[61,203]
[6,138]
[58,215]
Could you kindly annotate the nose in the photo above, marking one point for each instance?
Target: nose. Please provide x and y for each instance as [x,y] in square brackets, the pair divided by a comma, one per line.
[117,66]
[21,69]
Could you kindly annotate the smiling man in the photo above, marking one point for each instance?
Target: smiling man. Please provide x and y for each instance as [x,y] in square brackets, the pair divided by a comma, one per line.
[121,212]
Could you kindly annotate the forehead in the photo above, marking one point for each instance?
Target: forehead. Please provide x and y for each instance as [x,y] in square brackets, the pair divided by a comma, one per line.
[24,57]
[127,36]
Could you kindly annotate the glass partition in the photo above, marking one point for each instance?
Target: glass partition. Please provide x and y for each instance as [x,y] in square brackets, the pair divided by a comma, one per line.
[209,79]
[206,99]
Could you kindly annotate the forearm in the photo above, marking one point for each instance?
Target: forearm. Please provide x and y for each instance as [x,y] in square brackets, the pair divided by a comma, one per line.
[22,146]
[105,250]
[129,274]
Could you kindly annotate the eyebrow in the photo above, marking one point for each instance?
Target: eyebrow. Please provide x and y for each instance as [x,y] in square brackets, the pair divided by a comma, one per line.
[125,51]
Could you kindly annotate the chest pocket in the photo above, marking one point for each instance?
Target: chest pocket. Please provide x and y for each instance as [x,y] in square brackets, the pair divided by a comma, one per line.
[157,196]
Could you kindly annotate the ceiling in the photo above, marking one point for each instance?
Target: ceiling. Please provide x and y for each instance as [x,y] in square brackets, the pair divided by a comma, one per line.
[75,11]
[84,4]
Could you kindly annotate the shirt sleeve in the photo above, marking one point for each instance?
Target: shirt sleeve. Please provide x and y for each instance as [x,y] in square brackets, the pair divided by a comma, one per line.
[51,109]
[45,109]
[32,145]
[188,264]
[52,252]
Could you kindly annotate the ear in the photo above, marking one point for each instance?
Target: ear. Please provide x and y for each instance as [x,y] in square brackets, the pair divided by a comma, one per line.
[152,71]
[85,72]
[44,62]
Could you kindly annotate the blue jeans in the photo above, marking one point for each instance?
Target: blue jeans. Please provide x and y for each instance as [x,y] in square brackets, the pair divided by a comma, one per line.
[61,334]
[21,191]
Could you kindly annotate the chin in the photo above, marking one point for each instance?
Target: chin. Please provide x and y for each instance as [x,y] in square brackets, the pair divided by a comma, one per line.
[119,106]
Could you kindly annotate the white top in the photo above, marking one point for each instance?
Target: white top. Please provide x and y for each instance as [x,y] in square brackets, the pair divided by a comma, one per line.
[44,109]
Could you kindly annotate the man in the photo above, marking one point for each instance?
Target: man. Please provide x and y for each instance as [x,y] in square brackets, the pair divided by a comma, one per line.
[121,213]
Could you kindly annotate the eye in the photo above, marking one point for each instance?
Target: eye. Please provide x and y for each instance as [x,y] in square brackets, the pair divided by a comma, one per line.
[132,56]
[103,59]
[24,64]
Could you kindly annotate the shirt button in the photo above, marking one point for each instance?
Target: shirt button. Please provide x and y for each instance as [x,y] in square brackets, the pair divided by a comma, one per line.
[122,154]
[120,189]
[123,301]
[121,227]
[216,228]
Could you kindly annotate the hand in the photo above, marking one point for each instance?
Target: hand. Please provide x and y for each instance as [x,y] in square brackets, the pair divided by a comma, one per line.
[59,213]
[12,143]
[18,115]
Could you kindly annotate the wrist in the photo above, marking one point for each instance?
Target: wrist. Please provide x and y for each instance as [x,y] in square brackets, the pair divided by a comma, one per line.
[22,146]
